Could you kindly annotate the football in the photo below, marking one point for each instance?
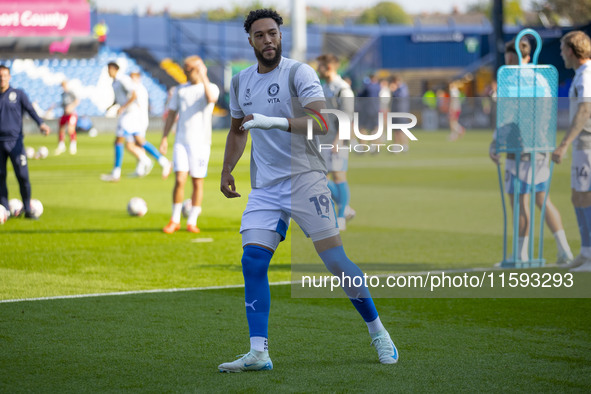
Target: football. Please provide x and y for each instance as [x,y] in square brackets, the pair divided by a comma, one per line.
[92,132]
[187,204]
[15,206]
[30,152]
[42,153]
[137,207]
[3,214]
[36,208]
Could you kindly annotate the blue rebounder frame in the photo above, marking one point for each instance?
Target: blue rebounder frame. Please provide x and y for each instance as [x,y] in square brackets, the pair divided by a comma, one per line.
[526,128]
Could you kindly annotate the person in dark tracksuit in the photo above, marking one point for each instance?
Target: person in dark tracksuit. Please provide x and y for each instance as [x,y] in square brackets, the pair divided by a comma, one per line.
[13,102]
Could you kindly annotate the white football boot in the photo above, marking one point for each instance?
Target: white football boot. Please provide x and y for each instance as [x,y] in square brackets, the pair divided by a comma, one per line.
[251,361]
[387,351]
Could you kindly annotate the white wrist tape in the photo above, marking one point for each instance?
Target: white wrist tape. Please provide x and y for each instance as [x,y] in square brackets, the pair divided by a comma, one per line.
[266,123]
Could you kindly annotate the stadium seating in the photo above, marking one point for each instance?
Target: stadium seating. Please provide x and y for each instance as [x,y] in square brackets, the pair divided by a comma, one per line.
[41,79]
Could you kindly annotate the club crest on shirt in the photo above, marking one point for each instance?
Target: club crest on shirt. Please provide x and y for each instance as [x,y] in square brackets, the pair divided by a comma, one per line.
[273,90]
[12,97]
[247,94]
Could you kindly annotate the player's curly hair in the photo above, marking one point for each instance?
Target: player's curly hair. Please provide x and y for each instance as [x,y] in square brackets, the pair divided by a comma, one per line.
[255,15]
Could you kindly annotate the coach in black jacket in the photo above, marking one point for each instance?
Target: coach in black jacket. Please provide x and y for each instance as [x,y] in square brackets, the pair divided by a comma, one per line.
[12,104]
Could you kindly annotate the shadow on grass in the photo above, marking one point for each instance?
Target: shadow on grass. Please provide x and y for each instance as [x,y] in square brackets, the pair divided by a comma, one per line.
[370,268]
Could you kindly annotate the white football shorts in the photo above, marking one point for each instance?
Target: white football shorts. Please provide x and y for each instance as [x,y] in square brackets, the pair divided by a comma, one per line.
[336,161]
[304,197]
[191,158]
[580,176]
[130,125]
[542,175]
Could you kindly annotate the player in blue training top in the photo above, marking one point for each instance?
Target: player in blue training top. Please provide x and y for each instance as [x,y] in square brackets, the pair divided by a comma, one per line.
[575,49]
[12,104]
[288,179]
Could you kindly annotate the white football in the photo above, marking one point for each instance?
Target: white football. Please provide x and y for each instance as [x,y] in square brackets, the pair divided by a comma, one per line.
[3,214]
[137,207]
[36,208]
[187,205]
[92,132]
[30,152]
[15,206]
[42,152]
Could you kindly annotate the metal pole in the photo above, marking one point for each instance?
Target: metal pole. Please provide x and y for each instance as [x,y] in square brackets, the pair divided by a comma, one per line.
[169,34]
[136,27]
[498,45]
[504,216]
[298,30]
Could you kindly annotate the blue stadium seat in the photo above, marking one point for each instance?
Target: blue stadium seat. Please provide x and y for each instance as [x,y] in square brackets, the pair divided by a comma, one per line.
[88,71]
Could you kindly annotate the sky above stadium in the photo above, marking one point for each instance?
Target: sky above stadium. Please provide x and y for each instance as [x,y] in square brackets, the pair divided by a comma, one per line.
[410,6]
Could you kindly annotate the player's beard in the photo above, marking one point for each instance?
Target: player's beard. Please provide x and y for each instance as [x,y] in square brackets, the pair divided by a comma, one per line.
[269,62]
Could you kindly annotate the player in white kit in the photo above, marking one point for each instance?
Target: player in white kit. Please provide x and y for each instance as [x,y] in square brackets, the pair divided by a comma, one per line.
[193,102]
[288,179]
[132,124]
[138,136]
[575,49]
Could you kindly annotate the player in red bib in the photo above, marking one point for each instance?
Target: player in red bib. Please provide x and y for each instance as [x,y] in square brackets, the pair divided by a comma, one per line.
[68,121]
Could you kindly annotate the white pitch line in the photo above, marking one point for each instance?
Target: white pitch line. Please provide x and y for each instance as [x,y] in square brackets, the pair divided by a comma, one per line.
[415,163]
[202,240]
[132,292]
[176,290]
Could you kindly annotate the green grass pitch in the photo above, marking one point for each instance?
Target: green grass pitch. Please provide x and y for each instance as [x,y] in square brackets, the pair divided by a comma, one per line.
[445,199]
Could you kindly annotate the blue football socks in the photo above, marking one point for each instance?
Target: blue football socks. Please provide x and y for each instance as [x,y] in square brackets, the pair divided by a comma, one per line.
[151,149]
[118,155]
[583,220]
[338,264]
[344,197]
[257,294]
